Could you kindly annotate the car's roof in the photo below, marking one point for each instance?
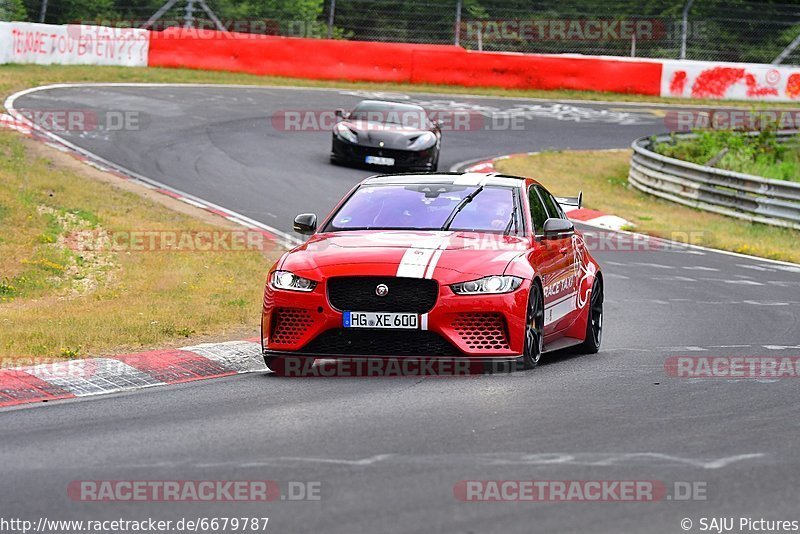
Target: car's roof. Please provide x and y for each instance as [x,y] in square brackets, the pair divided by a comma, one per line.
[457,178]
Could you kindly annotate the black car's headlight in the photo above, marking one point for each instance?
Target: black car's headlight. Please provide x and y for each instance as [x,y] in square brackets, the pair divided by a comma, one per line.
[345,133]
[491,285]
[290,281]
[426,140]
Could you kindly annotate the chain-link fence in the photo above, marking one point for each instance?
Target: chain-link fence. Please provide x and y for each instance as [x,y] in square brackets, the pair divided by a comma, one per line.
[717,30]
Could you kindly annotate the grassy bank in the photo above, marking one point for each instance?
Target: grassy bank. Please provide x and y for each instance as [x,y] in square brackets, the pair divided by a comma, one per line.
[73,282]
[602,176]
[17,77]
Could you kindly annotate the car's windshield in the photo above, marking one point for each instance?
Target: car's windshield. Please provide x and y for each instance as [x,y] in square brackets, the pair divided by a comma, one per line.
[424,207]
[390,113]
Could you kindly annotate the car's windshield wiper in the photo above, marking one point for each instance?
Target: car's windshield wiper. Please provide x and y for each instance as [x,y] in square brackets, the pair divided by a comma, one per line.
[466,200]
[513,221]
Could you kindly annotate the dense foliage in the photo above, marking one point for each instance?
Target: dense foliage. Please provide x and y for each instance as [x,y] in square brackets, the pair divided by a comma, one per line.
[759,155]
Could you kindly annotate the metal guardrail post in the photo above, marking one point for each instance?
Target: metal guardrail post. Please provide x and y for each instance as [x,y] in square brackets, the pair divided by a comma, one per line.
[331,18]
[685,27]
[457,33]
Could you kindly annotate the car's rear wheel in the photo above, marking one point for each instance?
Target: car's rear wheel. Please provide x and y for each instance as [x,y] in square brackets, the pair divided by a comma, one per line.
[594,322]
[534,329]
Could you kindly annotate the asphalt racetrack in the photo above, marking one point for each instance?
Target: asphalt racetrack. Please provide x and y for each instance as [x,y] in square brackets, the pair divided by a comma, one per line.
[388,452]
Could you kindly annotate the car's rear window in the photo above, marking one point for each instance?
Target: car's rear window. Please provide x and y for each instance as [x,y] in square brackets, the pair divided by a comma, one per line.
[424,207]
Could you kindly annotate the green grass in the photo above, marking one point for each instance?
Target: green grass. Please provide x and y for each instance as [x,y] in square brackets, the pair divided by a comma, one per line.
[759,155]
[18,77]
[602,176]
[57,301]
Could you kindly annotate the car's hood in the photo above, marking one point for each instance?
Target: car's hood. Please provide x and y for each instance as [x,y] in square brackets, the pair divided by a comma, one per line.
[393,136]
[441,255]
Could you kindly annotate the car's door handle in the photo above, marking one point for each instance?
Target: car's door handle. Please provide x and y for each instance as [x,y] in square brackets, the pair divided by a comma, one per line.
[563,250]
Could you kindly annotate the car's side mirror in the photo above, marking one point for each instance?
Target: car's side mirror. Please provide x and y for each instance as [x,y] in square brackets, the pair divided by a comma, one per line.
[558,228]
[339,113]
[305,223]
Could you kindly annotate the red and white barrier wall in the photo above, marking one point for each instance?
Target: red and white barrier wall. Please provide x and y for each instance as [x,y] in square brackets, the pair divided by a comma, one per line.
[399,62]
[47,44]
[392,62]
[731,81]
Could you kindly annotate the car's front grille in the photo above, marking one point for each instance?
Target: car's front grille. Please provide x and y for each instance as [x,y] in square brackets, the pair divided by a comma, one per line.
[358,293]
[399,156]
[357,342]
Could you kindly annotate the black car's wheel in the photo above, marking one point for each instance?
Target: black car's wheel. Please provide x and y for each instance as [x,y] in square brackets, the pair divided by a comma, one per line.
[534,329]
[288,365]
[594,323]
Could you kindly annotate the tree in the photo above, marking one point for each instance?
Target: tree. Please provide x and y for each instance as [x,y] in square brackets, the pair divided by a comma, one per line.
[12,10]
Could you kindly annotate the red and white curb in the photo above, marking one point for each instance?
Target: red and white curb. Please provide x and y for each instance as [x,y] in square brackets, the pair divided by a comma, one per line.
[97,376]
[586,216]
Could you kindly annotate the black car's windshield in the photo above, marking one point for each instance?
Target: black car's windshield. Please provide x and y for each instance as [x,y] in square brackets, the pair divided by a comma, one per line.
[425,207]
[390,113]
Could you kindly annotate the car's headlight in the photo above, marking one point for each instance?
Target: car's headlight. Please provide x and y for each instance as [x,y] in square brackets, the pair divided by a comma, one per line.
[487,286]
[426,140]
[290,281]
[345,133]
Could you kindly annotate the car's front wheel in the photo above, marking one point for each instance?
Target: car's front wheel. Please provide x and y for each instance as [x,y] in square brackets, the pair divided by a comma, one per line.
[534,329]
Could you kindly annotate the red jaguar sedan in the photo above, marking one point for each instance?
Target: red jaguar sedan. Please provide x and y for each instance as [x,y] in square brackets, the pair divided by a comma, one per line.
[446,265]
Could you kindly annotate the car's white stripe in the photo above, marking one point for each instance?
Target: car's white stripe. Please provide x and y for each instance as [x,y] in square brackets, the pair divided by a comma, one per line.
[432,265]
[420,262]
[436,255]
[415,262]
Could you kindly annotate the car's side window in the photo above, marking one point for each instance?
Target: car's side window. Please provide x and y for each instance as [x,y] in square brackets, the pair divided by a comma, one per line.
[551,204]
[538,211]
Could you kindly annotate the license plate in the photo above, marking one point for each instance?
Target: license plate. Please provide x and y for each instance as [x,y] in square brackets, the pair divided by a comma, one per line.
[375,160]
[407,321]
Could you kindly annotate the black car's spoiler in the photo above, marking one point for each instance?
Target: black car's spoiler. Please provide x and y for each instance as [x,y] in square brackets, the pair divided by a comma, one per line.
[571,201]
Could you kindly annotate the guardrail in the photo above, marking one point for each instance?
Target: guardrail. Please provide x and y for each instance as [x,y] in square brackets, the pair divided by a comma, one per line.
[735,194]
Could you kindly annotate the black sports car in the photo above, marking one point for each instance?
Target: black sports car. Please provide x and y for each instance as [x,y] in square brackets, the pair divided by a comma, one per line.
[388,135]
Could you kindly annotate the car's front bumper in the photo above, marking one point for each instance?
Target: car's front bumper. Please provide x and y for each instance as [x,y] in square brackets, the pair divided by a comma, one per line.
[483,327]
[344,152]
